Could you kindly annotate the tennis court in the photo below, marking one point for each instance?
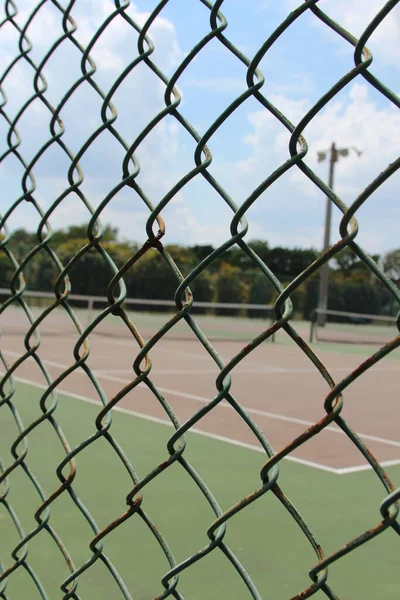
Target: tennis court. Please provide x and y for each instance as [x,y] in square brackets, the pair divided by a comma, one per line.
[210,445]
[277,385]
[327,478]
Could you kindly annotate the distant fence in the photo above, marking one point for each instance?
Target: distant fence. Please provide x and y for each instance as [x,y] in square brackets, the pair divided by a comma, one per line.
[221,318]
[350,327]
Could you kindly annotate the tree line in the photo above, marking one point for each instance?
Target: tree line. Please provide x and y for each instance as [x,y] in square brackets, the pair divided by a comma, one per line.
[232,277]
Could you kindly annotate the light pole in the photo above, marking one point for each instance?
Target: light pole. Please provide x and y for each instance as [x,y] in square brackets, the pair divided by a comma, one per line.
[334,154]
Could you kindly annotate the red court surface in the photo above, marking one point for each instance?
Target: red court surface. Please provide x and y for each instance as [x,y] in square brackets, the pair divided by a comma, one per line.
[276,384]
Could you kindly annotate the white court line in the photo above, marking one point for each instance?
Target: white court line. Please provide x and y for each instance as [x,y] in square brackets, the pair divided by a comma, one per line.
[367,467]
[301,461]
[205,356]
[203,400]
[243,370]
[177,371]
[207,434]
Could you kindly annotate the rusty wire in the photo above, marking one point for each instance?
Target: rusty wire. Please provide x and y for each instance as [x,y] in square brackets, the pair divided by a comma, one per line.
[155,229]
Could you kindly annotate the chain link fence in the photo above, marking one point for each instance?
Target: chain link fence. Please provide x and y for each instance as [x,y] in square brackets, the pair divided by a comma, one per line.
[18,22]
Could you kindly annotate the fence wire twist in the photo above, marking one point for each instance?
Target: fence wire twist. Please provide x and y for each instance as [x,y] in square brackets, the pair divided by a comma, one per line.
[116,292]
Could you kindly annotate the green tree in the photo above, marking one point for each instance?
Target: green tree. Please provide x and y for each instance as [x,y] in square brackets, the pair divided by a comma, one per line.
[288,263]
[152,278]
[201,252]
[345,261]
[238,257]
[231,286]
[203,287]
[79,232]
[260,292]
[91,274]
[350,268]
[6,270]
[391,265]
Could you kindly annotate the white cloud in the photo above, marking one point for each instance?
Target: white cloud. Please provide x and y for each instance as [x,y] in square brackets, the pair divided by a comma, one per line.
[292,209]
[219,84]
[289,213]
[356,15]
[355,119]
[138,100]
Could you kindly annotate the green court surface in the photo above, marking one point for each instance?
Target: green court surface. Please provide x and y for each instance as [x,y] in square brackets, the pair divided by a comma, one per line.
[264,537]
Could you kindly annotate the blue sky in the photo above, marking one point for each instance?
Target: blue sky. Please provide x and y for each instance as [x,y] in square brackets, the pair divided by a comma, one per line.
[302,65]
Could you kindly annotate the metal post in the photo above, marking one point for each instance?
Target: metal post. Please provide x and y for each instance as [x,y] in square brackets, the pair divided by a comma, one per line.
[90,311]
[324,272]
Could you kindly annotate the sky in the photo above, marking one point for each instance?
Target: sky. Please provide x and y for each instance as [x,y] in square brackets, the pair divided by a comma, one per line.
[299,68]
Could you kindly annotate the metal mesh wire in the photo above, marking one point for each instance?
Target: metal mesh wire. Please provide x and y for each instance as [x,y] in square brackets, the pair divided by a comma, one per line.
[155,229]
